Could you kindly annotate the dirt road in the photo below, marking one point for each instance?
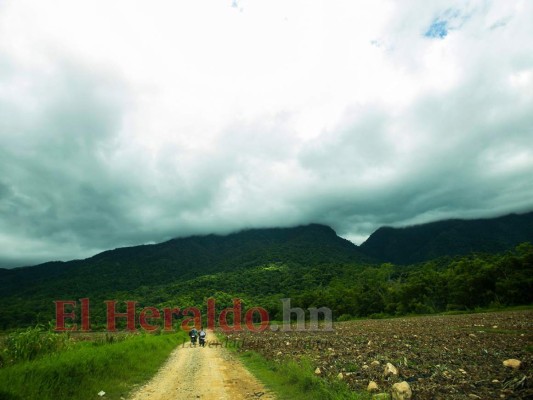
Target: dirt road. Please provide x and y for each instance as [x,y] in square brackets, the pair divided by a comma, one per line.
[207,373]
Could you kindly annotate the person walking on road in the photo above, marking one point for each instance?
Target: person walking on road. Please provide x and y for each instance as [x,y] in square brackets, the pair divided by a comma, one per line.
[193,334]
[202,336]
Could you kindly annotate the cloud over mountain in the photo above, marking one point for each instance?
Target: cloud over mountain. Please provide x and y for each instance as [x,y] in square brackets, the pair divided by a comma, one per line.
[130,123]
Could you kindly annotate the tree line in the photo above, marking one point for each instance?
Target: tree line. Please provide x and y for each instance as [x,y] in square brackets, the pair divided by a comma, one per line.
[350,290]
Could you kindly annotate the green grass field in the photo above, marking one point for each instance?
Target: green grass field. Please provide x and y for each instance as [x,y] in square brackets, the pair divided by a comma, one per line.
[86,368]
[291,380]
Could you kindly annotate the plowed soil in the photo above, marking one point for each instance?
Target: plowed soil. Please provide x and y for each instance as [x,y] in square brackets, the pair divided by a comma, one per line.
[441,357]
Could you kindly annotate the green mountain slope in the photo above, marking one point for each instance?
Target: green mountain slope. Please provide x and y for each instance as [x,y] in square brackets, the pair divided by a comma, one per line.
[129,267]
[449,238]
[29,291]
[310,264]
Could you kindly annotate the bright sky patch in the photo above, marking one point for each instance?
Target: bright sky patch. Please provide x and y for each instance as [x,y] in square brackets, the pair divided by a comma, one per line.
[438,29]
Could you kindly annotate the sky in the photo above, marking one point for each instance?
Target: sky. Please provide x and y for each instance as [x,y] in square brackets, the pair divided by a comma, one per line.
[128,122]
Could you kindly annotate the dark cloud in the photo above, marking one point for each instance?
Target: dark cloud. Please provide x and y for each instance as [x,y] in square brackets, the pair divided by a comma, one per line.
[57,190]
[94,156]
[462,153]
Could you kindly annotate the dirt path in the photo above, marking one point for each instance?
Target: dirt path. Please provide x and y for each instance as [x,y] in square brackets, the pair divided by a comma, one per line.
[207,373]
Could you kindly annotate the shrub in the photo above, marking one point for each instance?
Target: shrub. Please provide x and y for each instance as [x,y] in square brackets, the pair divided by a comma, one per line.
[29,344]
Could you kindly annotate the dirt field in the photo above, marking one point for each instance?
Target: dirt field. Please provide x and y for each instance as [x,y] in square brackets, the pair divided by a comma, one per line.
[207,373]
[441,357]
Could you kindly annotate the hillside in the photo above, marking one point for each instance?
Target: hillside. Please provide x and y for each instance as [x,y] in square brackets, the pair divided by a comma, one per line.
[309,264]
[115,272]
[449,238]
[129,267]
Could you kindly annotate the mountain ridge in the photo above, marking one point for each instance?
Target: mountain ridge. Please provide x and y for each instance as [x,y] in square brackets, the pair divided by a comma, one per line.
[421,242]
[379,246]
[186,257]
[310,264]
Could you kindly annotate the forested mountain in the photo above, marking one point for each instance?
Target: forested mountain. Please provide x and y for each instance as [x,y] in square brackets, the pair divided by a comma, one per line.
[25,292]
[449,238]
[310,264]
[129,267]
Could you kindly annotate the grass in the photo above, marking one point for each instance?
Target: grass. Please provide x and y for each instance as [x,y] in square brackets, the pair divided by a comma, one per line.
[88,368]
[296,380]
[477,310]
[31,343]
[490,330]
[293,380]
[482,310]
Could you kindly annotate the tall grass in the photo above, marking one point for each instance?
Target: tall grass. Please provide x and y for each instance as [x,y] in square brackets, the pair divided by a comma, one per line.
[28,344]
[293,380]
[86,368]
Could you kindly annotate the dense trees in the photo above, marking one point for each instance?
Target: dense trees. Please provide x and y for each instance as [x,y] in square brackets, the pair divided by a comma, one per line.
[350,290]
[449,238]
[461,283]
[310,265]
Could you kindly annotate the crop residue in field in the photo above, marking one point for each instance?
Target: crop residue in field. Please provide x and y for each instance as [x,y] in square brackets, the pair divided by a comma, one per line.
[440,357]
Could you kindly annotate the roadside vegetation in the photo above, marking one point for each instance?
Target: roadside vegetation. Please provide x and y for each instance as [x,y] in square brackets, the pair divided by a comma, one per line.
[37,364]
[293,380]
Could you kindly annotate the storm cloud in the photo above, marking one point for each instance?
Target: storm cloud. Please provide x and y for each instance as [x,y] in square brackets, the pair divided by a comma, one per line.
[132,123]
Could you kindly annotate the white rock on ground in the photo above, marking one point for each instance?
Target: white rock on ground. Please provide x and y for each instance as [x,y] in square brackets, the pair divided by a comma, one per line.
[390,370]
[512,363]
[372,386]
[401,391]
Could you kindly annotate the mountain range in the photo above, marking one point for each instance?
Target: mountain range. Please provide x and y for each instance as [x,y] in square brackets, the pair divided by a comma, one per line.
[448,238]
[283,259]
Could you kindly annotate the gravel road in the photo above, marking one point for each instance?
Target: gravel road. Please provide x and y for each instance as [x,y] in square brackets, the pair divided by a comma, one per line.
[207,373]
